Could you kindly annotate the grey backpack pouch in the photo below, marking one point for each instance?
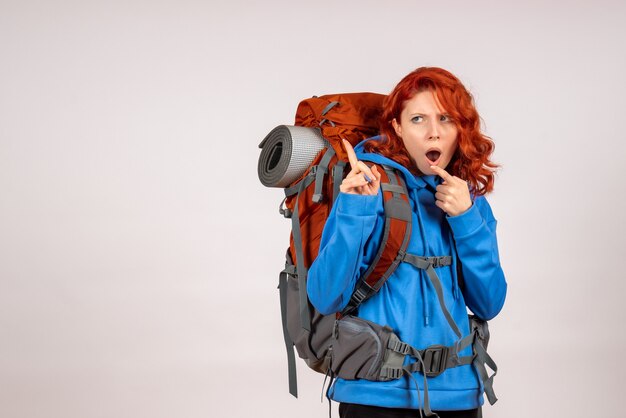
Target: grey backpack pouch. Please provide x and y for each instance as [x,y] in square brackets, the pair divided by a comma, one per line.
[358,348]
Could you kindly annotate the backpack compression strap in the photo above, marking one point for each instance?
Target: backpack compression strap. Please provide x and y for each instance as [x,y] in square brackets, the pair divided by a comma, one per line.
[396,234]
[291,357]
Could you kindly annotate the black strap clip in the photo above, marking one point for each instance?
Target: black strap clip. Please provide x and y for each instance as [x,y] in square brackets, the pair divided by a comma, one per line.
[435,360]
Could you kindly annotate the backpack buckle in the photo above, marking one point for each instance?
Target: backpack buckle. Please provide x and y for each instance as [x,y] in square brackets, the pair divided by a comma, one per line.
[437,262]
[435,360]
[284,210]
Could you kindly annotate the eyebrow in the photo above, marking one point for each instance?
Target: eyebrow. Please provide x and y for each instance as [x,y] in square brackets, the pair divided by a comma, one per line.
[424,114]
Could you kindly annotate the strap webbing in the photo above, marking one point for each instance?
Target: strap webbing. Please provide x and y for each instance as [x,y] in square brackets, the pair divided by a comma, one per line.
[322,169]
[480,360]
[305,315]
[326,109]
[338,170]
[290,191]
[291,357]
[394,188]
[426,405]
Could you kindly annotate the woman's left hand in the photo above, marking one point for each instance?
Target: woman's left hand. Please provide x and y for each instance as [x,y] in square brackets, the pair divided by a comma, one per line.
[453,196]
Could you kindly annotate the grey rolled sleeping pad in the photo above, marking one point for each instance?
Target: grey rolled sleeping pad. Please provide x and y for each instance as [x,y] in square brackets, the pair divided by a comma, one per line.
[286,152]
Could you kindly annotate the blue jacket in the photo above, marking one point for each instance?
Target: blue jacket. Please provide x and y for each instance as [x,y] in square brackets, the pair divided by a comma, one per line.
[407,302]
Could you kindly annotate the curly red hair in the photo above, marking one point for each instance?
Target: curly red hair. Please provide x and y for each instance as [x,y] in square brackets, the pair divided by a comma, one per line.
[471,159]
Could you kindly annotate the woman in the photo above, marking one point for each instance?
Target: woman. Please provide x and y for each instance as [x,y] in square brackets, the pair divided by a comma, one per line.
[430,133]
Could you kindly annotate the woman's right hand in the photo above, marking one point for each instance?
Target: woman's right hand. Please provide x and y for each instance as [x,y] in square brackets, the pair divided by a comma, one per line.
[361,179]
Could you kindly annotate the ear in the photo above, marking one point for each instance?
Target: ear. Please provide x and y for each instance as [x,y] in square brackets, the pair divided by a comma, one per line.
[396,127]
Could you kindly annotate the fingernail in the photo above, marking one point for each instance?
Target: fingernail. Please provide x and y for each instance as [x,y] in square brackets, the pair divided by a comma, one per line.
[367,179]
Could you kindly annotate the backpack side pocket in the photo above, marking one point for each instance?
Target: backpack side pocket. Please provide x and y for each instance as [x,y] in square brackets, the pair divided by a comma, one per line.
[359,348]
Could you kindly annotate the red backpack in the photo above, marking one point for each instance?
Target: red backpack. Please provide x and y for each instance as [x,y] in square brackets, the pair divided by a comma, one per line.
[309,195]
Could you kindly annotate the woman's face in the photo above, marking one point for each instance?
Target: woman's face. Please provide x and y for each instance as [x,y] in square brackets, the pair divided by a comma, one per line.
[428,133]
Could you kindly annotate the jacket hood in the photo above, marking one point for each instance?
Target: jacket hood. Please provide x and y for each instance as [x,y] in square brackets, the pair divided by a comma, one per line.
[412,181]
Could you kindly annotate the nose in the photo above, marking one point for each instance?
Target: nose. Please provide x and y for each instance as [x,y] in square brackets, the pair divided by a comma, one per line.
[434,131]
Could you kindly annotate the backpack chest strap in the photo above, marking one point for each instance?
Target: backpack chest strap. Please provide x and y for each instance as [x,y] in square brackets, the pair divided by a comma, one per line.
[429,264]
[424,263]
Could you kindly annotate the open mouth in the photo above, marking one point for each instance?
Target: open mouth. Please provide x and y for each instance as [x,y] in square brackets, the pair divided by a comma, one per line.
[433,155]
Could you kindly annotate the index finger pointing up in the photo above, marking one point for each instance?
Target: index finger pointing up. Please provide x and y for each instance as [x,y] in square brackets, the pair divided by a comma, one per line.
[441,173]
[351,155]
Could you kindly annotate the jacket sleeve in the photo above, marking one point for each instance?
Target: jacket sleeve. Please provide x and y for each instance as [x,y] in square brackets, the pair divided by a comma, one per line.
[477,247]
[349,242]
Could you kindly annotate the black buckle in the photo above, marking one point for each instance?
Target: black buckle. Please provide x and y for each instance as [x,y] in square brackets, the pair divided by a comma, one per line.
[435,360]
[360,293]
[358,296]
[436,262]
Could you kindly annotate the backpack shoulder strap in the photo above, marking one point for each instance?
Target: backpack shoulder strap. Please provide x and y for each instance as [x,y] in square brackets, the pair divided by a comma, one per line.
[396,234]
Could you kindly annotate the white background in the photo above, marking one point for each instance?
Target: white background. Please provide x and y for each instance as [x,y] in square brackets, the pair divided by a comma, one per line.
[139,253]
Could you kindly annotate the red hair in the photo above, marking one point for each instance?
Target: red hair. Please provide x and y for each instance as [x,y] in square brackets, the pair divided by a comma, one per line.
[471,158]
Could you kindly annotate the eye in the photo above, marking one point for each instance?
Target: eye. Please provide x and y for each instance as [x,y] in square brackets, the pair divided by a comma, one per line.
[417,119]
[445,118]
